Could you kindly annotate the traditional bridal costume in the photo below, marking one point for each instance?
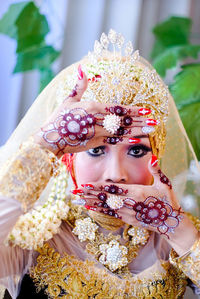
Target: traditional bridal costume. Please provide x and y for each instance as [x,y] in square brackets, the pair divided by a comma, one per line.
[50,247]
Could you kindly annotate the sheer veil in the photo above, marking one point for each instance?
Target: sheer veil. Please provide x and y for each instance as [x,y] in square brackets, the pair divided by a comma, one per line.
[179,162]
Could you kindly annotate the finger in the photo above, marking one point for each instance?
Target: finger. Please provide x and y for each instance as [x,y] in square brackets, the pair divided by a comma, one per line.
[80,87]
[108,212]
[123,110]
[112,123]
[159,178]
[107,189]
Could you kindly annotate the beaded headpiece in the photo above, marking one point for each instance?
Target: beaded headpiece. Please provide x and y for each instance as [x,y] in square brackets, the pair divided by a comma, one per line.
[123,79]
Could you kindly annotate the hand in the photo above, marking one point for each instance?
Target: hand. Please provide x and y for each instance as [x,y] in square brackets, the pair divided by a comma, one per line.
[154,207]
[80,125]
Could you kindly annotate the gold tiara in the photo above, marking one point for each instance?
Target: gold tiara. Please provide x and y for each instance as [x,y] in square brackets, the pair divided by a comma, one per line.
[118,75]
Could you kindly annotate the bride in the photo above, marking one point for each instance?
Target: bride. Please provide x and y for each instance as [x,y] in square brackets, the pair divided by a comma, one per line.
[120,231]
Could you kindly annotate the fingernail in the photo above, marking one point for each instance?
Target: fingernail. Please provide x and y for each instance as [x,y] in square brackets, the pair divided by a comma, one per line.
[90,208]
[80,202]
[148,130]
[134,140]
[154,161]
[144,111]
[80,72]
[77,191]
[87,186]
[152,122]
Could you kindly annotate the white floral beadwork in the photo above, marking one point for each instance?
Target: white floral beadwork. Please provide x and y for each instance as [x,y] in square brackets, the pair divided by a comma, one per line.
[113,255]
[139,235]
[85,229]
[115,202]
[111,123]
[34,228]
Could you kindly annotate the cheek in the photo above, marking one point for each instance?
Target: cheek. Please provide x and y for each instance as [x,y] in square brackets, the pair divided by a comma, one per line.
[139,172]
[87,169]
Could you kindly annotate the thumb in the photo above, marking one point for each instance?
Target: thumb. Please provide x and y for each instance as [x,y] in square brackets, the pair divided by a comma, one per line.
[154,169]
[80,87]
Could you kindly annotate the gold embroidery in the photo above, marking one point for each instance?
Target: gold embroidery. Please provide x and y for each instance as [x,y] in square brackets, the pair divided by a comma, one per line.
[190,262]
[68,277]
[195,220]
[26,174]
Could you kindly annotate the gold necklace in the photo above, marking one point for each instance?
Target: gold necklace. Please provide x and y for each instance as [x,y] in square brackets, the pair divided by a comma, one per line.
[107,249]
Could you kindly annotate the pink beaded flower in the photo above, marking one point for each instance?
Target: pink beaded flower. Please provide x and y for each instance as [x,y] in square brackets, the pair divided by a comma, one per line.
[156,212]
[72,127]
[75,127]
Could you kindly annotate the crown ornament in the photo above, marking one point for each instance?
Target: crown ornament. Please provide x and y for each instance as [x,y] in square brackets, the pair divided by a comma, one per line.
[118,75]
[124,79]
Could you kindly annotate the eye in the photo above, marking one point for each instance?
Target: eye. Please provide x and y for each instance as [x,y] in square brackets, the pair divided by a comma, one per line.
[97,151]
[139,151]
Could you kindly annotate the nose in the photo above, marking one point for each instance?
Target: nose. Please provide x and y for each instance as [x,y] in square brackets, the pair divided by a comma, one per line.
[115,172]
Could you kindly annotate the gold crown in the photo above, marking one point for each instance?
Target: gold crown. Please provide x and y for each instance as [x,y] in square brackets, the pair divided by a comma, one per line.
[123,79]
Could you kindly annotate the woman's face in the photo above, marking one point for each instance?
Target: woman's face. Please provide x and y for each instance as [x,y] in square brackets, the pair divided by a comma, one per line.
[123,163]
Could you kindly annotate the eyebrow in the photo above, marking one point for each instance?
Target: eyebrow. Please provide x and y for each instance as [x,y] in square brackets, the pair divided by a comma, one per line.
[141,136]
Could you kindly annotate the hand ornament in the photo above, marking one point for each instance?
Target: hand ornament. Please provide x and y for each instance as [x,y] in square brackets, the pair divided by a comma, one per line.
[155,212]
[77,124]
[72,127]
[153,206]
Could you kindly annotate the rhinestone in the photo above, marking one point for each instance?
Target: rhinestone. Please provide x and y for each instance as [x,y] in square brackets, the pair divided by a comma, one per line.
[102,196]
[127,121]
[128,48]
[63,131]
[84,131]
[115,81]
[104,40]
[63,123]
[112,35]
[72,137]
[115,202]
[148,130]
[73,127]
[97,47]
[120,40]
[113,189]
[153,213]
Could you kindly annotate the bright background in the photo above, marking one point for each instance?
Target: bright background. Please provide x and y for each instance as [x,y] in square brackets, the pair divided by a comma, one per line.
[74,25]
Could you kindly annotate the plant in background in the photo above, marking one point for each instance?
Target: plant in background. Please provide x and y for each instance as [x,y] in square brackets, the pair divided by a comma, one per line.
[172,46]
[24,23]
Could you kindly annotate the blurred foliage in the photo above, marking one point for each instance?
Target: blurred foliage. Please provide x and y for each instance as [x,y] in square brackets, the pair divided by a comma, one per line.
[24,23]
[172,45]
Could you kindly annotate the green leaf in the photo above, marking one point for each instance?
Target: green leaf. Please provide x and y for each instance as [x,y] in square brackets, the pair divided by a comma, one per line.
[32,28]
[45,77]
[169,58]
[172,32]
[185,88]
[158,48]
[8,20]
[36,58]
[190,116]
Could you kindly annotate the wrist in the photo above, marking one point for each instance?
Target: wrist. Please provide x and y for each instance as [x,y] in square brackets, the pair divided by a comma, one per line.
[184,236]
[43,144]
